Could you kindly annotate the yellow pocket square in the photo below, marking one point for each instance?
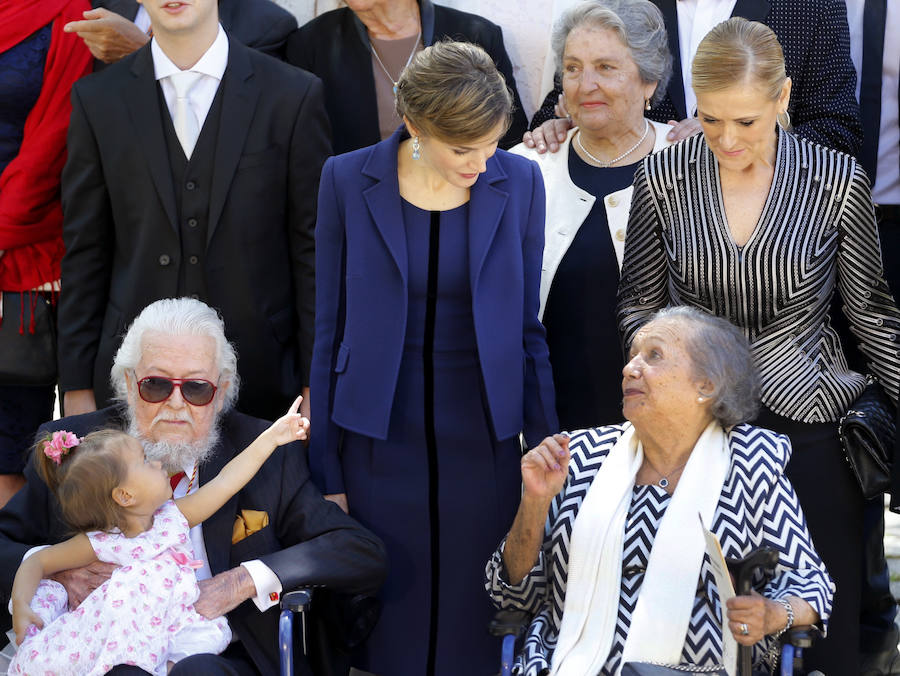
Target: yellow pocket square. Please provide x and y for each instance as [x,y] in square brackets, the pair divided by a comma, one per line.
[248,522]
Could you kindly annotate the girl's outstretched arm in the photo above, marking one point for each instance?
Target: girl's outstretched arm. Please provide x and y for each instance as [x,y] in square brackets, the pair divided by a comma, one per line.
[234,476]
[75,552]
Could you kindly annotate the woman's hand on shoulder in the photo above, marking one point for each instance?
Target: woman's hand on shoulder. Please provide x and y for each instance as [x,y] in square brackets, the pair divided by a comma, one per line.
[546,467]
[684,129]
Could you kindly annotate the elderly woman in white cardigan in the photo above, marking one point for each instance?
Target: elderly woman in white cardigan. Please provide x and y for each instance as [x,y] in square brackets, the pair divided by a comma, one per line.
[614,60]
[606,550]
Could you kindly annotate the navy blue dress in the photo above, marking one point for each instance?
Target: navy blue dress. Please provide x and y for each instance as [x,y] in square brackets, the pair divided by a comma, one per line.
[580,317]
[22,408]
[441,491]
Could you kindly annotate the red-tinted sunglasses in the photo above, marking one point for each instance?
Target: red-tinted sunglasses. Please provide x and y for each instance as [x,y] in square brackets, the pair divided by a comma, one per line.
[196,391]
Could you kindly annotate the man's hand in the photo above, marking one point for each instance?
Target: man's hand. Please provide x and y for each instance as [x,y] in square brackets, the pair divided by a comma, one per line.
[76,402]
[108,35]
[224,592]
[340,499]
[684,129]
[79,582]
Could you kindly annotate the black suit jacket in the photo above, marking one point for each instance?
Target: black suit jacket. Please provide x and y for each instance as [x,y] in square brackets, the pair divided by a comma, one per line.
[816,43]
[122,236]
[335,46]
[309,541]
[260,24]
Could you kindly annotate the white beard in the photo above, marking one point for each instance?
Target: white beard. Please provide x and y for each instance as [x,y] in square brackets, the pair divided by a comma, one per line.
[175,456]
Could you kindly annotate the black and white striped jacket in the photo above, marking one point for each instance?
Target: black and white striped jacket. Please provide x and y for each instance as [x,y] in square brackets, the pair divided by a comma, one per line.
[817,233]
[757,507]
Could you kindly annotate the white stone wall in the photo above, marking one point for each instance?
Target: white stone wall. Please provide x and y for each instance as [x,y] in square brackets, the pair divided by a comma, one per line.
[526,28]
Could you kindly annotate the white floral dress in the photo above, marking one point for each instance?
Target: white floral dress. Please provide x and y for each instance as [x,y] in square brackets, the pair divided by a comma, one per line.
[143,615]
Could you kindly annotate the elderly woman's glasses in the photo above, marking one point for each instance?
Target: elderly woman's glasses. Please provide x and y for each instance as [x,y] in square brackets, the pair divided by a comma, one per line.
[196,391]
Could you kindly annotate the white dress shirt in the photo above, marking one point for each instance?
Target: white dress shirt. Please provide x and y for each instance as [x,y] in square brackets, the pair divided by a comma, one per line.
[211,66]
[695,19]
[142,19]
[268,586]
[887,179]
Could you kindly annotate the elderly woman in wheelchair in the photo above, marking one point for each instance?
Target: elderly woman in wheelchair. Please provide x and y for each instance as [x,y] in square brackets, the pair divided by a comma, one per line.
[607,552]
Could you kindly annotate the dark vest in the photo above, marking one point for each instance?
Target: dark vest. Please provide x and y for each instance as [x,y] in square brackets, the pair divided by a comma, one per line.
[192,181]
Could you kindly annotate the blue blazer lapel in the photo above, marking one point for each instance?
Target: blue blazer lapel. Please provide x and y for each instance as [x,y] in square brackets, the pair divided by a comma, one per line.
[142,100]
[240,93]
[487,201]
[383,199]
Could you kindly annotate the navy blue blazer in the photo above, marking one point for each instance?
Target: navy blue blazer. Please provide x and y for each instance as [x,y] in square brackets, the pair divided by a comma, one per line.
[361,300]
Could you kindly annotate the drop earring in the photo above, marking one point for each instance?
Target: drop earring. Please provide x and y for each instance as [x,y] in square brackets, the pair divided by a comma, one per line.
[646,104]
[416,147]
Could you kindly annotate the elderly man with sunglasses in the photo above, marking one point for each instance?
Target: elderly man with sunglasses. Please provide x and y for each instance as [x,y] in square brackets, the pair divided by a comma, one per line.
[175,377]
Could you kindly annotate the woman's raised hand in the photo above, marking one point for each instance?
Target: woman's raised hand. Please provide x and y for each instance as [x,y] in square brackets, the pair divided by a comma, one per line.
[545,468]
[291,426]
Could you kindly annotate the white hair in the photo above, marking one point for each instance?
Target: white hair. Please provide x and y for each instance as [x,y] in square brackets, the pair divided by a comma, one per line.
[176,317]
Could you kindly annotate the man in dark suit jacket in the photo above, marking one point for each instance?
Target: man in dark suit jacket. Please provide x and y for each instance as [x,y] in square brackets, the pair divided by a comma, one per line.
[309,541]
[230,223]
[335,47]
[110,30]
[816,44]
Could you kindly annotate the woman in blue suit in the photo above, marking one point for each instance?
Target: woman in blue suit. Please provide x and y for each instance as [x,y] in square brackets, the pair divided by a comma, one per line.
[429,358]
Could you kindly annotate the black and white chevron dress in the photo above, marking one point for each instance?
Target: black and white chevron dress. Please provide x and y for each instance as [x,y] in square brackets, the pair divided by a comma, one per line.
[757,507]
[816,234]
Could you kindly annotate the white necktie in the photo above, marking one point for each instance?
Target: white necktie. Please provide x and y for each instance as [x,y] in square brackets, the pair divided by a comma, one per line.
[186,127]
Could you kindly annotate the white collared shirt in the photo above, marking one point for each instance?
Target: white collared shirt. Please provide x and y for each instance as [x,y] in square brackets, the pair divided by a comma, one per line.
[266,582]
[211,65]
[142,19]
[887,178]
[696,18]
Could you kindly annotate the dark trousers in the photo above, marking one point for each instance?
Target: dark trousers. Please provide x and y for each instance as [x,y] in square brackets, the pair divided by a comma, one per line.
[833,506]
[879,609]
[233,662]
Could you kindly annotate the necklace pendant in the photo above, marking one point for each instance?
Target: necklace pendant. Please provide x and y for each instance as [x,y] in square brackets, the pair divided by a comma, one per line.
[395,89]
[663,483]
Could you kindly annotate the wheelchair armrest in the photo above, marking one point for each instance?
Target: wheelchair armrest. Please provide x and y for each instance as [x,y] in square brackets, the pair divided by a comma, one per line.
[509,623]
[802,636]
[298,600]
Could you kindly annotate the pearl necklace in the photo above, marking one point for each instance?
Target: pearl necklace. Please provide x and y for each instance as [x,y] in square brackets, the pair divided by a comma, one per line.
[628,152]
[396,82]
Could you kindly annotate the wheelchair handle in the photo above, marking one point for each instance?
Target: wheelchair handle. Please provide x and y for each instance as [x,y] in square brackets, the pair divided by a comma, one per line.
[509,623]
[296,601]
[743,570]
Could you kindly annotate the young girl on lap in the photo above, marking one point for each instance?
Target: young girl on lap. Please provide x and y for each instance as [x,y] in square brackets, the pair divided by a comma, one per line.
[122,506]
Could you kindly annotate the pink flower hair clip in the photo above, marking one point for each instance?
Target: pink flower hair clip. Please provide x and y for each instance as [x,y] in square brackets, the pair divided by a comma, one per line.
[60,444]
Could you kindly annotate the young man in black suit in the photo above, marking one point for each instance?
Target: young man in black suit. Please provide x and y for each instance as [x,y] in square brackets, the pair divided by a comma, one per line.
[210,194]
[113,29]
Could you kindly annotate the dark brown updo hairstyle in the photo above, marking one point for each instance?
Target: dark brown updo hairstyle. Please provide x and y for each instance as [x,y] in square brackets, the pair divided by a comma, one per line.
[454,92]
[84,479]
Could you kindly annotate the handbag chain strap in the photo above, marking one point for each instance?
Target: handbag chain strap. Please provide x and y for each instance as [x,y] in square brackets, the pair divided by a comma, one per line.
[690,669]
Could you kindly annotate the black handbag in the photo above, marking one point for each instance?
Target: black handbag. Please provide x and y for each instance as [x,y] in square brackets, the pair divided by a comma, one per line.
[867,433]
[28,358]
